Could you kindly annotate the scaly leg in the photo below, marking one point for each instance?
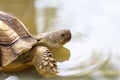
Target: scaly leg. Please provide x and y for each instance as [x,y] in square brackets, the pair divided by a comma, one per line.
[44,61]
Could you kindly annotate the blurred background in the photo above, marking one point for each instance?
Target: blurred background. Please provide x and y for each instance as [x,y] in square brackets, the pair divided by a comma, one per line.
[95,27]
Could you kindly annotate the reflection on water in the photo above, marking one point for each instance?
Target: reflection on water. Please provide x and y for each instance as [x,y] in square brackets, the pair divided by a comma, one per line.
[91,23]
[95,53]
[23,9]
[90,19]
[47,16]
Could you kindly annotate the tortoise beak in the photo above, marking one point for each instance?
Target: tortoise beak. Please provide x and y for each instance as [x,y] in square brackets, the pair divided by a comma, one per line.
[66,36]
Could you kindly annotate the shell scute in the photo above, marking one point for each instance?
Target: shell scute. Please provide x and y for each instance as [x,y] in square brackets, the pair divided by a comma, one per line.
[7,35]
[19,27]
[15,39]
[6,57]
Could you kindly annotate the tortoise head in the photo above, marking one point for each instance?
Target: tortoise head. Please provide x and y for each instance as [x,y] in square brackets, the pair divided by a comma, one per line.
[58,38]
[55,41]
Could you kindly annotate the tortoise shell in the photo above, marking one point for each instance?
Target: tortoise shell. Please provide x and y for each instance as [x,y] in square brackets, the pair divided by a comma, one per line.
[15,39]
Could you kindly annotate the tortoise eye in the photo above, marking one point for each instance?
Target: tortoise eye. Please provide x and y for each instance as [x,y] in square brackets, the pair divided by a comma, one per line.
[62,35]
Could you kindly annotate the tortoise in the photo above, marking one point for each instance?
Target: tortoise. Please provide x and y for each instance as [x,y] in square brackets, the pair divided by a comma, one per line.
[19,49]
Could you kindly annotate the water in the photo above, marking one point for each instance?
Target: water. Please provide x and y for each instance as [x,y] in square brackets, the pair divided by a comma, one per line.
[95,31]
[94,25]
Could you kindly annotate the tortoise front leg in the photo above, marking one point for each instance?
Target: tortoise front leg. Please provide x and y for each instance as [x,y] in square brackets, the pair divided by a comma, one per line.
[44,61]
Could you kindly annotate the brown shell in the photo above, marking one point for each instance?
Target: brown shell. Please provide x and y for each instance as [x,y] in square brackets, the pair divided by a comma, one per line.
[15,39]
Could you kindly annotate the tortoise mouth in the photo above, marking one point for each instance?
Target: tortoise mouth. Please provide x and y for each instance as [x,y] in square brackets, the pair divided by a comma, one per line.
[67,39]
